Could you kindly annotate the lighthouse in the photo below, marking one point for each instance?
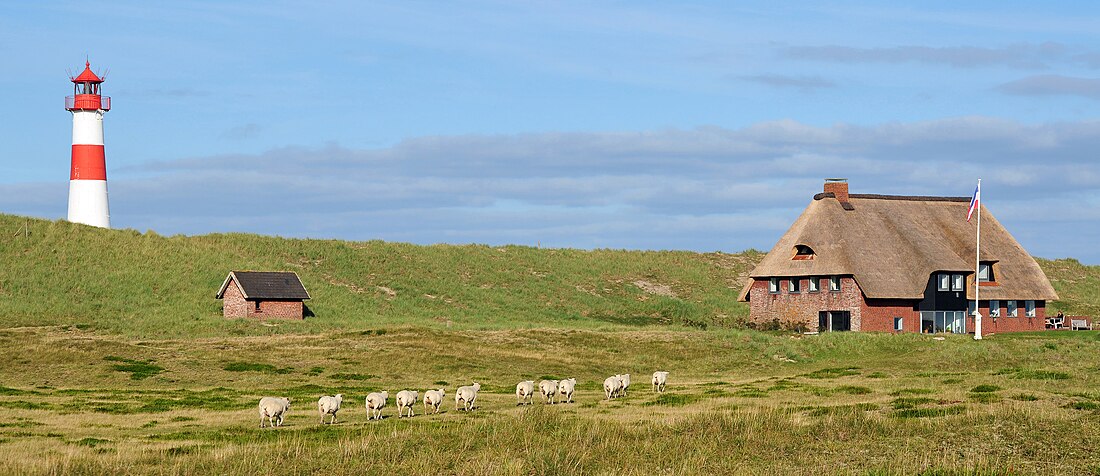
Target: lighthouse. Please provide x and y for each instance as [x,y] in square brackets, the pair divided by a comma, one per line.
[88,175]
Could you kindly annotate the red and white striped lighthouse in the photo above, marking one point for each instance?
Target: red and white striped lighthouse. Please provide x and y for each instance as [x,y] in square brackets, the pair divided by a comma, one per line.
[88,176]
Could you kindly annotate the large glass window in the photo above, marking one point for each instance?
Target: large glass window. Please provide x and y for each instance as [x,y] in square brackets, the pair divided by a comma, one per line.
[834,321]
[943,321]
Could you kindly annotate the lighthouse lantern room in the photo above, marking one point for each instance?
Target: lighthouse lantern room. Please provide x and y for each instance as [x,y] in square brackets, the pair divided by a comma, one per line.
[88,175]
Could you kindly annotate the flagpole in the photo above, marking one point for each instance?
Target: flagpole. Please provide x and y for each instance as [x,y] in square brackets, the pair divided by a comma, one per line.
[978,265]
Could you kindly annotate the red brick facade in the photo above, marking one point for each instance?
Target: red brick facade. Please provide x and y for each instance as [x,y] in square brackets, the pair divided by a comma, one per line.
[800,310]
[234,304]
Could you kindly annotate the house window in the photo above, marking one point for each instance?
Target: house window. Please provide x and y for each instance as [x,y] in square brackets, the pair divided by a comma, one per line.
[1010,308]
[834,284]
[944,282]
[994,308]
[1029,308]
[256,306]
[794,286]
[985,272]
[970,309]
[803,252]
[773,286]
[814,284]
[898,324]
[958,282]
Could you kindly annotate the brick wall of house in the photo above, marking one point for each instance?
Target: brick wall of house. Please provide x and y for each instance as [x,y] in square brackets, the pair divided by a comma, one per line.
[1011,324]
[278,309]
[803,308]
[879,314]
[233,303]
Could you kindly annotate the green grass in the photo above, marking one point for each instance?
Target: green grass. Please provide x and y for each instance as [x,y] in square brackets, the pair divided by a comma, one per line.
[117,361]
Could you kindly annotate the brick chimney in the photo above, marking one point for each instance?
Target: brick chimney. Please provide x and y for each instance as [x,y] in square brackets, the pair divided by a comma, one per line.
[838,187]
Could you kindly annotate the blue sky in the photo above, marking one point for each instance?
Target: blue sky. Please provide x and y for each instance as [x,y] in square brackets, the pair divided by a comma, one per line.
[651,125]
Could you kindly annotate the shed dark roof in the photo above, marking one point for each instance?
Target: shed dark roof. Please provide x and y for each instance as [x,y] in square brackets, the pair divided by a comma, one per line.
[266,285]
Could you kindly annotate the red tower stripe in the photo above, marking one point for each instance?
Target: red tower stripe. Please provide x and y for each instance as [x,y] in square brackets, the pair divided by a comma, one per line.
[88,163]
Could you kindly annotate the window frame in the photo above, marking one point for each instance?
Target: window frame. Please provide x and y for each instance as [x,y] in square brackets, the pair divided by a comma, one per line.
[989,276]
[1011,308]
[794,286]
[1029,308]
[814,284]
[835,284]
[994,311]
[943,282]
[899,324]
[958,282]
[774,285]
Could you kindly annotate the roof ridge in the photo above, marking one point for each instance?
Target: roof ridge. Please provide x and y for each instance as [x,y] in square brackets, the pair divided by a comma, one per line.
[875,196]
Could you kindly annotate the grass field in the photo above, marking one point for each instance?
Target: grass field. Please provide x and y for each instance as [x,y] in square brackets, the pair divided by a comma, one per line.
[117,361]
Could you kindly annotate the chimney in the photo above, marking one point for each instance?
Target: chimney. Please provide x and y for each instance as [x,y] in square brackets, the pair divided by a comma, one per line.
[838,187]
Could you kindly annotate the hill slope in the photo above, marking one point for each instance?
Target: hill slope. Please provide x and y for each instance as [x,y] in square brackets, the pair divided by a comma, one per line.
[125,282]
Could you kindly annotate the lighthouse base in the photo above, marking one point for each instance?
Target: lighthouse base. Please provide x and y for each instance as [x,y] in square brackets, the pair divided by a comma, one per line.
[88,203]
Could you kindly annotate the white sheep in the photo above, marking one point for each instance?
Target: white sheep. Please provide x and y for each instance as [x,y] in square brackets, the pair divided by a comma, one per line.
[565,387]
[524,391]
[465,396]
[659,381]
[611,386]
[375,403]
[625,378]
[273,408]
[549,389]
[433,398]
[406,399]
[329,406]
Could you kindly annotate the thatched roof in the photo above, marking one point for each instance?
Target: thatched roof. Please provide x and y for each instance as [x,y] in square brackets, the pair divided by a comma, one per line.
[891,245]
[266,285]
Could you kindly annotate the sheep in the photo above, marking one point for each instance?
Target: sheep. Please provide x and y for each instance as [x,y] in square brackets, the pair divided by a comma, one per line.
[465,396]
[375,403]
[565,387]
[625,378]
[273,408]
[524,390]
[659,381]
[329,406]
[433,398]
[611,386]
[549,389]
[406,399]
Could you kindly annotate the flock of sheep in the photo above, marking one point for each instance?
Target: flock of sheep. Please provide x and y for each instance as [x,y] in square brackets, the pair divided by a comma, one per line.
[273,409]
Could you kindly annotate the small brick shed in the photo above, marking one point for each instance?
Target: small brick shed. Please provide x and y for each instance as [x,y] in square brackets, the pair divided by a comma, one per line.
[277,294]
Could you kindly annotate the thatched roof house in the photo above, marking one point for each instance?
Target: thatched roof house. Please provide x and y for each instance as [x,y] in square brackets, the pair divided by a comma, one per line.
[263,294]
[894,263]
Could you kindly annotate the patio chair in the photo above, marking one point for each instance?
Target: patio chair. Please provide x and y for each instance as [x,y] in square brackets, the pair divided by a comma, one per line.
[1080,325]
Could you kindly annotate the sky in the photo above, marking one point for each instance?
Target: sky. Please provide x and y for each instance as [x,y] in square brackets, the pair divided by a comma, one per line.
[703,126]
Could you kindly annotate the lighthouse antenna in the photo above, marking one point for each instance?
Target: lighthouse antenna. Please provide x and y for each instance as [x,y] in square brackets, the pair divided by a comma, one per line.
[103,76]
[70,73]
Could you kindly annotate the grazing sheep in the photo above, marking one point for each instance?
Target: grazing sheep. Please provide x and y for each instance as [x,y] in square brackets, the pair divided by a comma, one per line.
[465,396]
[524,390]
[375,403]
[549,389]
[625,378]
[329,406]
[273,408]
[433,398]
[565,387]
[611,386]
[659,381]
[406,399]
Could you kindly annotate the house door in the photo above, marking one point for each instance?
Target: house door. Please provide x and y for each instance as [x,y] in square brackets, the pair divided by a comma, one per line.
[832,321]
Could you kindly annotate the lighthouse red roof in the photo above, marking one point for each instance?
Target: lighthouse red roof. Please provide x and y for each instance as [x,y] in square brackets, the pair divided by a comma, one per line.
[87,76]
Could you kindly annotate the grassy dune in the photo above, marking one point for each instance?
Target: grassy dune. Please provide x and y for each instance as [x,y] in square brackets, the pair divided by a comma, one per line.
[117,361]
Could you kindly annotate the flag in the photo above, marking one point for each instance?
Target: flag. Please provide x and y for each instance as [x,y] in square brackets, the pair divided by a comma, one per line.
[974,202]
